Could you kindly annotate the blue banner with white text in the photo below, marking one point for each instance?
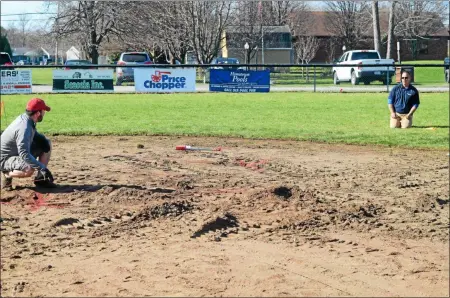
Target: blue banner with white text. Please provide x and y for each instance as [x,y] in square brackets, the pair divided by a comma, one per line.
[239,80]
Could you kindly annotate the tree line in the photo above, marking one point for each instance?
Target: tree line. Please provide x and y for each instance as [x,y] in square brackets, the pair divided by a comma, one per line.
[168,30]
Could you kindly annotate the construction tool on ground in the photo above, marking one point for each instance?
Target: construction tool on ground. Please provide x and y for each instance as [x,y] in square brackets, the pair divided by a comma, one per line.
[191,148]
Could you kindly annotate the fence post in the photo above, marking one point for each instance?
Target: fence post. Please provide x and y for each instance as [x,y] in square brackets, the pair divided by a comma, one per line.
[387,78]
[314,78]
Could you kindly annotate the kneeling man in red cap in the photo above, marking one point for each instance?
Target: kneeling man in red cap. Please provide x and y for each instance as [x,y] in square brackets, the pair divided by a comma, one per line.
[24,150]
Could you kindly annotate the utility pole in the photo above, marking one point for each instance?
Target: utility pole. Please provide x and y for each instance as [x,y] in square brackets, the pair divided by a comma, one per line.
[448,38]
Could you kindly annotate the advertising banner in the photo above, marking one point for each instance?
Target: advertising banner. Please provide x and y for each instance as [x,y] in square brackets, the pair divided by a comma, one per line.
[15,81]
[239,80]
[83,80]
[164,79]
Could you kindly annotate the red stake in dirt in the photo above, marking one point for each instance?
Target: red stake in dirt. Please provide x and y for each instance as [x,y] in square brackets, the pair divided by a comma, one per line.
[190,148]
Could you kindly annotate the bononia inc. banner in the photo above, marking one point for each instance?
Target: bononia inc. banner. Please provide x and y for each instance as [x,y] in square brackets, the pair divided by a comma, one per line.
[226,80]
[15,81]
[83,80]
[164,79]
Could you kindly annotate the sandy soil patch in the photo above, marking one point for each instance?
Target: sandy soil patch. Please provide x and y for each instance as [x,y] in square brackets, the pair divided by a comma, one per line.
[134,217]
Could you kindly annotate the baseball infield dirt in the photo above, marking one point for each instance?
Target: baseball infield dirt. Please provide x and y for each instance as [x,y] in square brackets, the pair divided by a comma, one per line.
[134,217]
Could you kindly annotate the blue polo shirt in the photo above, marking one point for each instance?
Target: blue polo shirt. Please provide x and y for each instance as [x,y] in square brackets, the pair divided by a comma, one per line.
[403,98]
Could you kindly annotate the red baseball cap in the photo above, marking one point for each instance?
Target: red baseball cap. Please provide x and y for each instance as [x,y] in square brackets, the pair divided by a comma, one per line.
[37,104]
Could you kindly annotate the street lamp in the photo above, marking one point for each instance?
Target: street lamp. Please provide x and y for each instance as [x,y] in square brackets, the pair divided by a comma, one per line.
[343,48]
[246,47]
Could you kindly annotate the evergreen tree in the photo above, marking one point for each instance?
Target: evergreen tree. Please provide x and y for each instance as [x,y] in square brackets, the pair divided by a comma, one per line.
[4,43]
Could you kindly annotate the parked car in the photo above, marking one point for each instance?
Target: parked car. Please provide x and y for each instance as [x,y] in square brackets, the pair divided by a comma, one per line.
[446,69]
[361,73]
[73,64]
[126,74]
[5,59]
[21,62]
[225,63]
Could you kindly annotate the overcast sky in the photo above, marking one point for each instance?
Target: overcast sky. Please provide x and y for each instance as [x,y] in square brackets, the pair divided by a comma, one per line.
[18,7]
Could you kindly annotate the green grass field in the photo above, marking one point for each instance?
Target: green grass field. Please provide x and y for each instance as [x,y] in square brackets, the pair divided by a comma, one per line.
[423,76]
[334,118]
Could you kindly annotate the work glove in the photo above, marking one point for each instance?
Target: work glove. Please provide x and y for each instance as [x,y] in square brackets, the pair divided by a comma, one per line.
[45,175]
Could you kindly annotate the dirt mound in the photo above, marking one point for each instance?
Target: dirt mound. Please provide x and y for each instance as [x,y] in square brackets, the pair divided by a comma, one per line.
[185,184]
[166,209]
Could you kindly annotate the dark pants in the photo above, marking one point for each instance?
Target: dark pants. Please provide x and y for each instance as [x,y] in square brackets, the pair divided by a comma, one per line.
[40,145]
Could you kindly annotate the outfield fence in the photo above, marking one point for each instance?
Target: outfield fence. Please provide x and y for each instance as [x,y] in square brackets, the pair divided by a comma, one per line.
[283,77]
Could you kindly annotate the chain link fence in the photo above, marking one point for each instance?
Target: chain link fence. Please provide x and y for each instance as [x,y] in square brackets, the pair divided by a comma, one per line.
[286,77]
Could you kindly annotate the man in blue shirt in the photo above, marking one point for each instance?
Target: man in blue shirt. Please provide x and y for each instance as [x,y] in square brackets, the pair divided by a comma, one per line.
[403,101]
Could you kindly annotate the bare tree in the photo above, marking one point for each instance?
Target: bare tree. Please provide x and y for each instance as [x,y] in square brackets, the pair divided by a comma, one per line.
[418,19]
[162,29]
[93,22]
[38,39]
[300,20]
[34,37]
[390,41]
[278,13]
[305,50]
[172,29]
[249,26]
[23,24]
[348,20]
[376,26]
[330,49]
[208,20]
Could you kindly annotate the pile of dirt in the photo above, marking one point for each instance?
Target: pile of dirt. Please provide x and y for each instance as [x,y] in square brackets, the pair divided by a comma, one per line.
[166,209]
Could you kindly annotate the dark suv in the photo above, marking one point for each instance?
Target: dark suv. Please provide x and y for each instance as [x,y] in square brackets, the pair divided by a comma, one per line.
[225,63]
[126,74]
[5,59]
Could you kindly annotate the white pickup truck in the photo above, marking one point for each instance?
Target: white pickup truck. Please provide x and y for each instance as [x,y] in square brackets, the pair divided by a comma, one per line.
[361,73]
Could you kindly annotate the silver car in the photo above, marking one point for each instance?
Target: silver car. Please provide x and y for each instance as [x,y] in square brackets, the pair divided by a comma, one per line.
[126,74]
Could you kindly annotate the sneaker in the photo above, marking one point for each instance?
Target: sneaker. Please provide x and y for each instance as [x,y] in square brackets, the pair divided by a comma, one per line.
[6,182]
[45,184]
